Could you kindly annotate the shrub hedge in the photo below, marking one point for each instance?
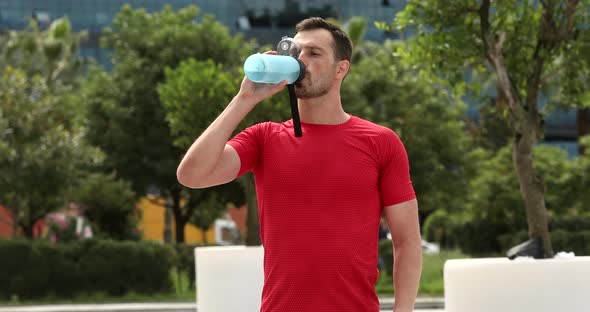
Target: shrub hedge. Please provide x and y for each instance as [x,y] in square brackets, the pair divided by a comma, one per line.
[37,269]
[492,237]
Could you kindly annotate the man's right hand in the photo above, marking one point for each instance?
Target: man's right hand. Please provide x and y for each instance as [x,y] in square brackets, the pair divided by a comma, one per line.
[254,93]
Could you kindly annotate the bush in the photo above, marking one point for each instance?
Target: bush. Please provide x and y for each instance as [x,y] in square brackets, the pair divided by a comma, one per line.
[577,242]
[37,269]
[495,210]
[109,205]
[441,228]
[569,223]
[481,237]
[386,254]
[186,261]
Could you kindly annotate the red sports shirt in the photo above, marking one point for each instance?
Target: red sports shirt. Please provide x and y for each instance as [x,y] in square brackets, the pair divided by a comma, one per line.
[320,200]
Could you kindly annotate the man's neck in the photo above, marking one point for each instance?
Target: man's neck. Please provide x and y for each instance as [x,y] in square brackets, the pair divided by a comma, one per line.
[325,110]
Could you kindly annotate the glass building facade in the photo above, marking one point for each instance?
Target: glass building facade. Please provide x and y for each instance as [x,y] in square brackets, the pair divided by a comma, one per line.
[265,20]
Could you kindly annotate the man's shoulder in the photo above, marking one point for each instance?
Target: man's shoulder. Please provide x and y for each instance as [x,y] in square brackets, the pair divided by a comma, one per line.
[270,125]
[369,126]
[266,129]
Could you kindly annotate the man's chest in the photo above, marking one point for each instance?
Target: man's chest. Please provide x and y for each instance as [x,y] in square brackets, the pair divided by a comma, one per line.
[334,165]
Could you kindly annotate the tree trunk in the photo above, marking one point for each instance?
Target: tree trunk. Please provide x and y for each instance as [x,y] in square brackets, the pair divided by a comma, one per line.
[14,224]
[179,229]
[252,222]
[582,126]
[14,210]
[525,121]
[168,221]
[532,186]
[14,229]
[204,233]
[27,230]
[179,219]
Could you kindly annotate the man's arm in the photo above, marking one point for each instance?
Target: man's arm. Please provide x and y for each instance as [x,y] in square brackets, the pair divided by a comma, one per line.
[210,161]
[404,226]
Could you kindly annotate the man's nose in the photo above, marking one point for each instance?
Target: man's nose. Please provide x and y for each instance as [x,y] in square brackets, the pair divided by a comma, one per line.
[303,58]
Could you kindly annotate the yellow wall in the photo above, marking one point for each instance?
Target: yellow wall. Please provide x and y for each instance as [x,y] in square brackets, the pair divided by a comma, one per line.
[152,223]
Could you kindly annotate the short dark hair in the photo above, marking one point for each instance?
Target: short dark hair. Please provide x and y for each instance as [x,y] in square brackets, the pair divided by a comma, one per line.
[342,44]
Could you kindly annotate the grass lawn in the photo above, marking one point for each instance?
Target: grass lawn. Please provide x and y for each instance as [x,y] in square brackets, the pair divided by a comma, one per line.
[181,288]
[431,282]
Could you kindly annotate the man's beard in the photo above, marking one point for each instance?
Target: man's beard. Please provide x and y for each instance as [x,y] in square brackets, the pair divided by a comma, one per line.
[305,90]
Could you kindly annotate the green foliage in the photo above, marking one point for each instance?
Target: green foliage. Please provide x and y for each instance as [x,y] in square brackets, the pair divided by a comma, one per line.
[42,157]
[569,241]
[565,240]
[126,116]
[194,94]
[571,223]
[383,89]
[166,38]
[448,35]
[440,227]
[109,205]
[431,280]
[386,254]
[52,54]
[43,152]
[572,69]
[494,207]
[491,131]
[575,182]
[186,262]
[209,209]
[37,269]
[120,267]
[525,47]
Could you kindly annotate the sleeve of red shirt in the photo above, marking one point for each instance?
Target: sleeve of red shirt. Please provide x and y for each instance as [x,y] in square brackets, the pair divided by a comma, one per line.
[248,144]
[395,184]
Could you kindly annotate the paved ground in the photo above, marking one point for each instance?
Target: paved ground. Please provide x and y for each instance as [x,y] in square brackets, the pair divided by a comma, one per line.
[422,305]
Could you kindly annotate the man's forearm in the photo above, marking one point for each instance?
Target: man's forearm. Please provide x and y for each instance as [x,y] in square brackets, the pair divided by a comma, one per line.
[407,269]
[204,153]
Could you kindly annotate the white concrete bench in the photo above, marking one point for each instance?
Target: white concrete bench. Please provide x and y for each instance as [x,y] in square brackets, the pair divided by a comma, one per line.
[521,285]
[229,278]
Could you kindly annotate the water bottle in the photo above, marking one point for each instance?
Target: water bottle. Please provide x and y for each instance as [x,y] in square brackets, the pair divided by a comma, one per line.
[270,68]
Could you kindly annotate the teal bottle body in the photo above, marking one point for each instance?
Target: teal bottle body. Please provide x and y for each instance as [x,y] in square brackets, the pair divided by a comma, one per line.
[269,68]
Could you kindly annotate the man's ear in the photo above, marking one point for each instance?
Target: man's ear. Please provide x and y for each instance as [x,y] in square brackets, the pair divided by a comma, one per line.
[342,68]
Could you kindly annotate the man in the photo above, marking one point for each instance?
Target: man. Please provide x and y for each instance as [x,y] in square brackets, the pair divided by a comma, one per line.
[321,196]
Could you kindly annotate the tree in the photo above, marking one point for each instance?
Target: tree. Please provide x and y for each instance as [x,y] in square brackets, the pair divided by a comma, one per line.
[41,158]
[194,94]
[43,151]
[381,88]
[211,203]
[486,220]
[53,54]
[126,117]
[525,45]
[356,27]
[109,205]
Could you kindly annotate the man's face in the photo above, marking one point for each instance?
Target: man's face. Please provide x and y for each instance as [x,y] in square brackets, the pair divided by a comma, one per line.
[317,54]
